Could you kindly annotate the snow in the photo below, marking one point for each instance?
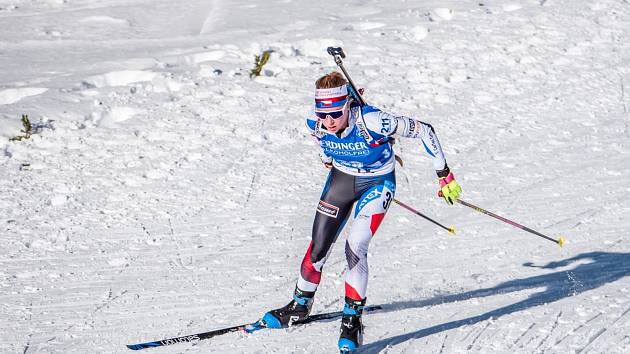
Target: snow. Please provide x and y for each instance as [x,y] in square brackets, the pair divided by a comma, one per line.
[13,95]
[119,78]
[165,193]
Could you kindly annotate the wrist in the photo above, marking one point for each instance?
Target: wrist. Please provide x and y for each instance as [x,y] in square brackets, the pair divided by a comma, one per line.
[447,180]
[444,172]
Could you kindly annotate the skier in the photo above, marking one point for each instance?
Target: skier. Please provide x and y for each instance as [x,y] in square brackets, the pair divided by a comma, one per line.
[355,144]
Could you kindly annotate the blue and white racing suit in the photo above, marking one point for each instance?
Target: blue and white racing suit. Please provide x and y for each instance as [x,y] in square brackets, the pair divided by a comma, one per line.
[362,176]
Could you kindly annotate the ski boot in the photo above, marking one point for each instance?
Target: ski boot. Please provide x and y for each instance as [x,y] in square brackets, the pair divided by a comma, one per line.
[298,309]
[351,336]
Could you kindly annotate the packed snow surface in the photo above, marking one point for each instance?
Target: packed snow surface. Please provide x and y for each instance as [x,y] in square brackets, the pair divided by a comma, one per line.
[164,192]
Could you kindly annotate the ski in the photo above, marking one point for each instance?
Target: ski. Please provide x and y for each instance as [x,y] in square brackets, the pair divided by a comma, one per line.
[241,328]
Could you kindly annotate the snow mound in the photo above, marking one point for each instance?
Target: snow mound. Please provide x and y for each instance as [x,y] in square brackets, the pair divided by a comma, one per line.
[509,7]
[120,78]
[10,96]
[458,76]
[115,115]
[58,200]
[118,262]
[165,84]
[205,56]
[104,20]
[364,26]
[418,33]
[441,14]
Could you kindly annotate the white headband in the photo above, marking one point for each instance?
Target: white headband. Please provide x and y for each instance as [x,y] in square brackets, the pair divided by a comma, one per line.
[331,92]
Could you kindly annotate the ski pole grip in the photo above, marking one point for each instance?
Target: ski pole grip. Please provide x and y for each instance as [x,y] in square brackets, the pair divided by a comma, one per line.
[334,51]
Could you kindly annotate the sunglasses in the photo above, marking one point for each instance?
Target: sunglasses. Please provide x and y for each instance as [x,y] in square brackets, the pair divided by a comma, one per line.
[333,115]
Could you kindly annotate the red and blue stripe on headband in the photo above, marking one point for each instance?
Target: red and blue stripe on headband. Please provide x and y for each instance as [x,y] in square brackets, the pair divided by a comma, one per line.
[331,99]
[332,103]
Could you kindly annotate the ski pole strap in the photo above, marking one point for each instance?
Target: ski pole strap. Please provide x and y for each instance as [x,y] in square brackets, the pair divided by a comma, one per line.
[451,230]
[559,241]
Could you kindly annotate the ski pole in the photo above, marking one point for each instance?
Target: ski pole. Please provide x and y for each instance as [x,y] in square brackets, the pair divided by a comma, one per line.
[559,241]
[338,54]
[451,230]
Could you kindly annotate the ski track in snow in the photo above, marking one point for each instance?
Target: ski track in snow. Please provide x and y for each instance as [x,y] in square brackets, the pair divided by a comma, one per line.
[164,192]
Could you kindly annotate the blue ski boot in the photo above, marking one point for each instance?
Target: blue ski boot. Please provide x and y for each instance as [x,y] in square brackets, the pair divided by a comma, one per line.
[297,310]
[351,336]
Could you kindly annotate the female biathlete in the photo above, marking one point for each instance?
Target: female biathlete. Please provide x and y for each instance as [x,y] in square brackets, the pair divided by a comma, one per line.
[355,144]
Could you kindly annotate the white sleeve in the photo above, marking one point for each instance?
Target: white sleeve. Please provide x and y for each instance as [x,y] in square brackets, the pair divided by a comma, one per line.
[380,122]
[411,128]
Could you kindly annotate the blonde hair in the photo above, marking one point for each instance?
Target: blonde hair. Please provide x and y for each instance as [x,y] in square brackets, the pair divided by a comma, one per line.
[334,79]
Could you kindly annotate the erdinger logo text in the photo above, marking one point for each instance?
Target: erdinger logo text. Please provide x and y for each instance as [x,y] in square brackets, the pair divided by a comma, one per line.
[345,146]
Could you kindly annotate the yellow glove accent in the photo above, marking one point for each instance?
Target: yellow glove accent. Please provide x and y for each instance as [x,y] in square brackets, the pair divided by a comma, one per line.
[449,189]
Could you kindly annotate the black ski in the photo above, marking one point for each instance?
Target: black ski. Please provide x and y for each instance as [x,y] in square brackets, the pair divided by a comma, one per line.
[240,328]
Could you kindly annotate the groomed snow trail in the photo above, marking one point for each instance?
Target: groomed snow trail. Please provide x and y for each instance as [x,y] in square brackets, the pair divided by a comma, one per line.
[164,192]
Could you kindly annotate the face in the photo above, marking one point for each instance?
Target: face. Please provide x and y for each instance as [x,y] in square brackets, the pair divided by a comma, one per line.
[334,125]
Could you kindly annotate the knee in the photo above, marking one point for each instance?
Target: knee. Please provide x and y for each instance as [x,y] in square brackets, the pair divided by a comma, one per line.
[357,246]
[318,252]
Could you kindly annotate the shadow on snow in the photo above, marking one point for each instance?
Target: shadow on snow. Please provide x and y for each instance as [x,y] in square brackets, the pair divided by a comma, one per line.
[603,268]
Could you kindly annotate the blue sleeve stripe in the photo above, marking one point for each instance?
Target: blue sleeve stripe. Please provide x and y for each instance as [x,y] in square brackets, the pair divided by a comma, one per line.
[428,150]
[369,109]
[311,124]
